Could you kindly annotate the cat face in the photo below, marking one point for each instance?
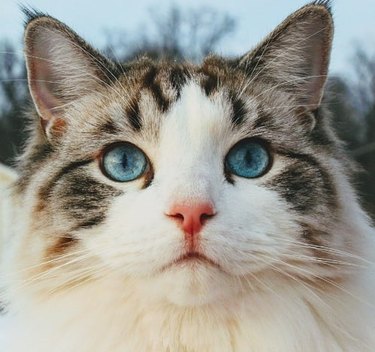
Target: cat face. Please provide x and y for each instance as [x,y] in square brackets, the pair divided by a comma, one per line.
[139,234]
[191,181]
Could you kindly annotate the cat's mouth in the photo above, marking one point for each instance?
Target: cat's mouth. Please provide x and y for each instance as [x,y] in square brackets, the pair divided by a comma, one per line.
[192,259]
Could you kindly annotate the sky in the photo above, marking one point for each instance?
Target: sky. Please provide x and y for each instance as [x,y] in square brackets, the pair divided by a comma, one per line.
[354,21]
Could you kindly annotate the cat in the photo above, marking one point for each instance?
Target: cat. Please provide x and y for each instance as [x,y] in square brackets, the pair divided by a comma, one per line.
[164,206]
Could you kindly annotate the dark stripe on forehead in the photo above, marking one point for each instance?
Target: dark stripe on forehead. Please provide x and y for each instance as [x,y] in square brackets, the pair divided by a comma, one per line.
[178,77]
[305,184]
[238,111]
[133,114]
[149,82]
[109,127]
[210,81]
[263,120]
[212,70]
[210,84]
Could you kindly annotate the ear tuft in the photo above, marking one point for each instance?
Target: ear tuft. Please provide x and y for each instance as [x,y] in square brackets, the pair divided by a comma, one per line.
[31,14]
[326,3]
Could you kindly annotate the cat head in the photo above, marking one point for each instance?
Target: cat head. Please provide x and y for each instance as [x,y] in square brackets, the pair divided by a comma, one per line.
[190,180]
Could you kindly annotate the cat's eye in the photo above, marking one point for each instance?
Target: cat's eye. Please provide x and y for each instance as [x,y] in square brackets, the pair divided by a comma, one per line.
[249,158]
[123,162]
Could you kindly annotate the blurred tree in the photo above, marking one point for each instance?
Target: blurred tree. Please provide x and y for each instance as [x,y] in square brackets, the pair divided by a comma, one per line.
[364,97]
[349,126]
[179,35]
[364,82]
[13,101]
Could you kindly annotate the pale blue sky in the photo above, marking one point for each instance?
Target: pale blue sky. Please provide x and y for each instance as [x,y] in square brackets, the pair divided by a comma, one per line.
[354,20]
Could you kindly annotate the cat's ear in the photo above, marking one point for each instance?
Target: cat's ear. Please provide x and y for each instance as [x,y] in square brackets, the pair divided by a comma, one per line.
[61,67]
[295,56]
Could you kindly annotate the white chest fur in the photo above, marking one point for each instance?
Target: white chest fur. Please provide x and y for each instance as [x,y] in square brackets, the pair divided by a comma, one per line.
[101,318]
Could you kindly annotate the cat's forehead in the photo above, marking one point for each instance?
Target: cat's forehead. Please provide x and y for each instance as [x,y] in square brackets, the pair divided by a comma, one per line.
[145,96]
[148,97]
[196,121]
[165,81]
[150,102]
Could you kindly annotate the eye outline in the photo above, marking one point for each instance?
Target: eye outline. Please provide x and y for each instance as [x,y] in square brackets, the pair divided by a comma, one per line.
[263,143]
[146,172]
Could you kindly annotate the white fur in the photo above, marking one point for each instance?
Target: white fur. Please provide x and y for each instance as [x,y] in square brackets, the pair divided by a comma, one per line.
[7,175]
[252,304]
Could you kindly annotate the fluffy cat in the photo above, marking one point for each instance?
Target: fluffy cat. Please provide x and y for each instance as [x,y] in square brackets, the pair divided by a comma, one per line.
[173,207]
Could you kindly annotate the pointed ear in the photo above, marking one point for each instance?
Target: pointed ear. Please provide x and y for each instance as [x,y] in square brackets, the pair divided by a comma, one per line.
[61,68]
[295,56]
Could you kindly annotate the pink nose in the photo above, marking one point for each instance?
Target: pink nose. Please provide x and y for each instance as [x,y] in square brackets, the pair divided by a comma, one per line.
[192,217]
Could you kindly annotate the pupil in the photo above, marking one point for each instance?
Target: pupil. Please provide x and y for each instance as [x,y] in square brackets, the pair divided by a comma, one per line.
[124,162]
[248,157]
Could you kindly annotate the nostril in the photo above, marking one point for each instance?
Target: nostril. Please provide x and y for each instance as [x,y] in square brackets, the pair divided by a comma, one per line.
[191,217]
[205,217]
[177,216]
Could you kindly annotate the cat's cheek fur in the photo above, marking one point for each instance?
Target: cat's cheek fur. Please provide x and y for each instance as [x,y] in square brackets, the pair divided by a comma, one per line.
[129,243]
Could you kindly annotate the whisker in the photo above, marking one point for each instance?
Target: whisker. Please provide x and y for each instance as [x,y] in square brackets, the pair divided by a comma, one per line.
[311,290]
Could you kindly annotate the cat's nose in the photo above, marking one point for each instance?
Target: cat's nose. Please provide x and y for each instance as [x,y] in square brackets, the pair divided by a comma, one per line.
[191,217]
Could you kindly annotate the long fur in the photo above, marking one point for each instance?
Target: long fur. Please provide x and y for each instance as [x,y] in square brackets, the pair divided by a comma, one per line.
[89,264]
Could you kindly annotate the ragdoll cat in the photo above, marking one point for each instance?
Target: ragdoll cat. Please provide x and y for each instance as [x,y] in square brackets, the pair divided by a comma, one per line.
[173,207]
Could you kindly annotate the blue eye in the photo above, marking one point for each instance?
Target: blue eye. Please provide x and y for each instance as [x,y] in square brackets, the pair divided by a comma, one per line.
[248,158]
[124,162]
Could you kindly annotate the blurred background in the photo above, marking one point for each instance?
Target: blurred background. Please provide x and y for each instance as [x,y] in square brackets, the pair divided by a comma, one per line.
[190,30]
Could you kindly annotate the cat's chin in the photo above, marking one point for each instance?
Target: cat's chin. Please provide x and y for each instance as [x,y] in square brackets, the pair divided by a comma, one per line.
[194,283]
